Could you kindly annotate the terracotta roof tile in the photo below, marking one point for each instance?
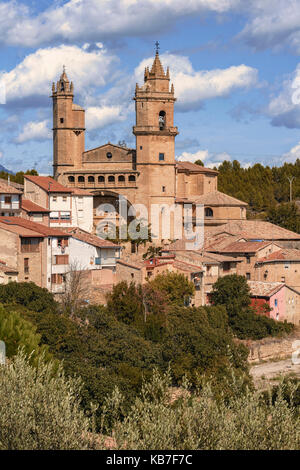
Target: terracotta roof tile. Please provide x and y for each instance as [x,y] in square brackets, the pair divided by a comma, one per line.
[48,184]
[264,289]
[193,168]
[6,188]
[87,237]
[19,224]
[216,198]
[30,206]
[256,230]
[243,247]
[288,254]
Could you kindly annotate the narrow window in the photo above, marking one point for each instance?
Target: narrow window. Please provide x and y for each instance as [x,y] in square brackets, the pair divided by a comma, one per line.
[162,120]
[111,179]
[248,276]
[101,179]
[163,189]
[91,179]
[61,120]
[80,179]
[161,157]
[131,178]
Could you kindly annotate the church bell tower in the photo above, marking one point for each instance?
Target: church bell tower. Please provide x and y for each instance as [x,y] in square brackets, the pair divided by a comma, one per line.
[68,128]
[155,136]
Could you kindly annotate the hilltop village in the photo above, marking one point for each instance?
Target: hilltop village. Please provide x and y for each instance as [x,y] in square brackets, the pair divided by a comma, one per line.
[49,225]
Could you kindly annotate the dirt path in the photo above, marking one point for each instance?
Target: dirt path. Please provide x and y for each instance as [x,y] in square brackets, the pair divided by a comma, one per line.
[269,373]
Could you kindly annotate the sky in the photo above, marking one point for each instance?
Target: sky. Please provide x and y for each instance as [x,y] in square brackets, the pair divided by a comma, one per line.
[235,66]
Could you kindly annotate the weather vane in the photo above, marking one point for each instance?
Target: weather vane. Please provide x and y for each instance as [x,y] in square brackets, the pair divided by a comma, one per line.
[157,46]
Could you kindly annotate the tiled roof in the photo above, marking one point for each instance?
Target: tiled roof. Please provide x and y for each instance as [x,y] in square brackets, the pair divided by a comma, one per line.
[264,289]
[182,265]
[243,247]
[28,228]
[257,230]
[87,237]
[48,184]
[12,183]
[193,168]
[216,198]
[130,264]
[6,188]
[281,255]
[30,206]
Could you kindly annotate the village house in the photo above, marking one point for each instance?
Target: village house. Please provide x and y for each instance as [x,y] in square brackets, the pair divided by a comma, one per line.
[281,266]
[34,212]
[10,199]
[248,254]
[275,300]
[34,250]
[67,207]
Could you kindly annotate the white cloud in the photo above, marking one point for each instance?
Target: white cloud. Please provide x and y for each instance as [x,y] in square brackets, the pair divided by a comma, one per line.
[33,76]
[292,155]
[34,130]
[1,154]
[95,20]
[284,107]
[98,117]
[209,159]
[193,87]
[273,23]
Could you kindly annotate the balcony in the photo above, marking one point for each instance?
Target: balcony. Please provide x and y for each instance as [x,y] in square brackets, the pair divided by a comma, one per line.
[13,206]
[105,261]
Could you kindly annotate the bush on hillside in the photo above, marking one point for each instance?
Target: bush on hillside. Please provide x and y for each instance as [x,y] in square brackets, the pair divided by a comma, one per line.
[29,295]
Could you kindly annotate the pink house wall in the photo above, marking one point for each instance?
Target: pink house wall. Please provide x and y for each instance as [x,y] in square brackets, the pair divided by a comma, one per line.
[278,311]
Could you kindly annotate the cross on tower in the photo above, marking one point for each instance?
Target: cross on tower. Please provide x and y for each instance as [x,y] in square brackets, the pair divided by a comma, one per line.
[157,46]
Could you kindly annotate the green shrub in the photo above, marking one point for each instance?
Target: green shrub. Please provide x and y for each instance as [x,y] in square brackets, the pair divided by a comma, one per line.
[28,295]
[40,410]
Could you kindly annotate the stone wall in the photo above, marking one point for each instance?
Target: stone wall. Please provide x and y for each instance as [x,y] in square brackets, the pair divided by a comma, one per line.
[268,349]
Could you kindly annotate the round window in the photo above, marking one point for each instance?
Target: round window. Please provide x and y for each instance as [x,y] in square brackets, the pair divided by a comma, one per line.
[109,154]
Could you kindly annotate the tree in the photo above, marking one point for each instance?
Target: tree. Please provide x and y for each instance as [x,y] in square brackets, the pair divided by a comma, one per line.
[40,409]
[285,215]
[177,288]
[199,162]
[17,332]
[76,288]
[152,252]
[29,295]
[232,291]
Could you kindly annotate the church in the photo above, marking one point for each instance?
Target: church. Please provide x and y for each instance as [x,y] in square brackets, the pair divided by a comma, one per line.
[147,174]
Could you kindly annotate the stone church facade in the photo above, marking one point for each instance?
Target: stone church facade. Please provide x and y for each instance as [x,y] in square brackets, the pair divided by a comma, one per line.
[148,174]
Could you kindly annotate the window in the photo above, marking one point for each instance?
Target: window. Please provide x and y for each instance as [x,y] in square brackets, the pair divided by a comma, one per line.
[101,179]
[162,120]
[65,215]
[109,155]
[121,178]
[54,215]
[61,259]
[64,198]
[62,242]
[248,259]
[80,179]
[161,157]
[226,266]
[57,278]
[209,212]
[248,276]
[282,278]
[111,179]
[131,178]
[30,245]
[7,199]
[54,198]
[71,179]
[163,189]
[26,265]
[91,179]
[276,302]
[61,120]
[141,147]
[62,86]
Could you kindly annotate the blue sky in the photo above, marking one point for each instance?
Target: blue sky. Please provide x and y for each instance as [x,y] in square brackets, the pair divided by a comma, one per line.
[235,66]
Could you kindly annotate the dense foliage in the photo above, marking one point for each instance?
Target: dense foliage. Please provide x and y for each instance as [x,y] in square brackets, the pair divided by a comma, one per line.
[263,188]
[29,295]
[234,293]
[39,409]
[198,421]
[16,332]
[18,177]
